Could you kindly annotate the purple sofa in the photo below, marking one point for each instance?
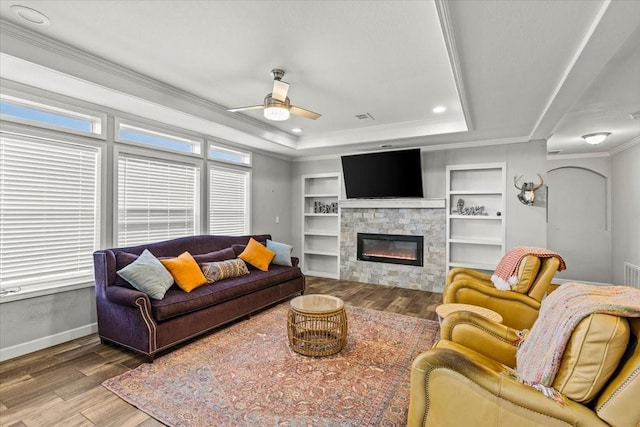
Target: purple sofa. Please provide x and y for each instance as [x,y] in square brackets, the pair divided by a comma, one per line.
[130,318]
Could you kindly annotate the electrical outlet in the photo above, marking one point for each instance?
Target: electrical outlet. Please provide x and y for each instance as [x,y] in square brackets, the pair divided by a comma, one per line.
[277,220]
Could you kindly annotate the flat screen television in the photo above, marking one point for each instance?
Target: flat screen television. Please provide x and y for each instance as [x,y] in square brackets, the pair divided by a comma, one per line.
[389,174]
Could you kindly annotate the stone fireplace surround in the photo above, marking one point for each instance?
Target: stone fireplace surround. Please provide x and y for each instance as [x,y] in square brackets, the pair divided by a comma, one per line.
[425,217]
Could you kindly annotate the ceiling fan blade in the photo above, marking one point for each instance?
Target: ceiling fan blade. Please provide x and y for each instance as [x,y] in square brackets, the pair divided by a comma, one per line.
[280,90]
[251,107]
[304,113]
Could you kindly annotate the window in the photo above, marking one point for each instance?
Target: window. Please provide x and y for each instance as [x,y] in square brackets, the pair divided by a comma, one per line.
[228,200]
[34,113]
[157,139]
[49,221]
[157,199]
[229,155]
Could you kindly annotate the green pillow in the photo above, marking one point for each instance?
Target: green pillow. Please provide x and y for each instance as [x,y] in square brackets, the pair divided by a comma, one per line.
[148,275]
[283,253]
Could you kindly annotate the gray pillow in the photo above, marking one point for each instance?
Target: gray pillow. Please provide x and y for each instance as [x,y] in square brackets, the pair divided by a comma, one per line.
[283,253]
[148,275]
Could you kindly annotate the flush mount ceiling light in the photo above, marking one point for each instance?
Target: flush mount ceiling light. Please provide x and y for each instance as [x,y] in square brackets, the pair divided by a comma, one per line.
[30,15]
[439,109]
[596,138]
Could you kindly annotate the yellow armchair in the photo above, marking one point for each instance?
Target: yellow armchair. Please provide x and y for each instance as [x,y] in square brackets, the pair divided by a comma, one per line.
[466,380]
[518,307]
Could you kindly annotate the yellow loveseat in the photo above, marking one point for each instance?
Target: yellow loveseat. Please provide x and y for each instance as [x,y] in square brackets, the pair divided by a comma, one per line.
[465,379]
[518,307]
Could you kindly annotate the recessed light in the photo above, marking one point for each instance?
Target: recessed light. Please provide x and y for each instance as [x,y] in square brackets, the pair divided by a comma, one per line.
[30,15]
[439,109]
[596,138]
[386,146]
[296,130]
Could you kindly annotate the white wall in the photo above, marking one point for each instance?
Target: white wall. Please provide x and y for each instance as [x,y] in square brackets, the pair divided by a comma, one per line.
[32,324]
[625,201]
[271,198]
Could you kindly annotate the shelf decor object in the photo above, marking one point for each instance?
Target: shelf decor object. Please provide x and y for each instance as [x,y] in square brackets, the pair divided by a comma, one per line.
[321,225]
[475,215]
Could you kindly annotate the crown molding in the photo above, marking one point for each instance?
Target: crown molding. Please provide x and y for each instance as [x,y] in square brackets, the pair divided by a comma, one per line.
[620,148]
[577,156]
[442,8]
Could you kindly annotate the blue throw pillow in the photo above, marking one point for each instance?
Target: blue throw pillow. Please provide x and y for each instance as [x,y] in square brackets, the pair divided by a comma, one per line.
[148,275]
[283,253]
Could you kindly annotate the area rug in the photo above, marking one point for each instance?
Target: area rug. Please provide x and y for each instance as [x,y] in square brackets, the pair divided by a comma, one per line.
[246,375]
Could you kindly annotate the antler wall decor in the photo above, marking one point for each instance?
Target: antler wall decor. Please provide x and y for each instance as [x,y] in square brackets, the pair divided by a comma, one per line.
[527,193]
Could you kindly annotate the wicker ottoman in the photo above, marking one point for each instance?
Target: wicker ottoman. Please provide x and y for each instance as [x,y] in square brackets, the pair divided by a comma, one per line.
[317,325]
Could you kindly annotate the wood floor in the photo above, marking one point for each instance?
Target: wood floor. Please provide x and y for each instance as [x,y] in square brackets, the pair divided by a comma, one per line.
[61,385]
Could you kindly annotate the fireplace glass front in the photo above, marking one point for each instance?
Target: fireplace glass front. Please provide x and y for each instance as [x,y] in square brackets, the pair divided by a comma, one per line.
[390,248]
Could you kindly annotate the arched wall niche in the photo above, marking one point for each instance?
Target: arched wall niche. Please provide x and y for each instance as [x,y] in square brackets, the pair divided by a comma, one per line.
[578,222]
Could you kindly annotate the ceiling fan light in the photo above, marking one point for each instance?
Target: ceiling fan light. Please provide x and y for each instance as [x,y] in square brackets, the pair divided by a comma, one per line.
[277,114]
[596,138]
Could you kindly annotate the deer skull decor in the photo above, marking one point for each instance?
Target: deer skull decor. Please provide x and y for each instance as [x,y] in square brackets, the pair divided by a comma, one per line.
[527,193]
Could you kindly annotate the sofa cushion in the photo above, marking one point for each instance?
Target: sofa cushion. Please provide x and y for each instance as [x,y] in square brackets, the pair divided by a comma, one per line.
[283,252]
[216,271]
[146,274]
[257,255]
[177,302]
[185,271]
[221,255]
[594,351]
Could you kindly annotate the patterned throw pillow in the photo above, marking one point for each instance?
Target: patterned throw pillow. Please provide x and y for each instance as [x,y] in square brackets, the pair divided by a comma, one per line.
[216,271]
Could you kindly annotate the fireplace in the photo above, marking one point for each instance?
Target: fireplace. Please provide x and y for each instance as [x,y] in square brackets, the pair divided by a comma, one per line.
[390,248]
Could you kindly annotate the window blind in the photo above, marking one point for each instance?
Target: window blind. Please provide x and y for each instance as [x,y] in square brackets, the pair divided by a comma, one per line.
[48,212]
[228,201]
[157,200]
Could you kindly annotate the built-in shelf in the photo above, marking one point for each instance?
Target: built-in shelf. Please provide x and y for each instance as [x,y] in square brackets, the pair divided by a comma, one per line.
[472,241]
[473,265]
[321,233]
[480,192]
[475,241]
[321,225]
[321,214]
[476,217]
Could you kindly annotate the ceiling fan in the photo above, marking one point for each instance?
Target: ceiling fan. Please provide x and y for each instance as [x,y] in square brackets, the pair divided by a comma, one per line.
[276,104]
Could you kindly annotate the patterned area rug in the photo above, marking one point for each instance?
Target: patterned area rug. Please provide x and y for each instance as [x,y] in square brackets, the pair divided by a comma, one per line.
[246,375]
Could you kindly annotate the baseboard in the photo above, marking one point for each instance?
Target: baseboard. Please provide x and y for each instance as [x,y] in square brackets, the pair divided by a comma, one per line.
[48,341]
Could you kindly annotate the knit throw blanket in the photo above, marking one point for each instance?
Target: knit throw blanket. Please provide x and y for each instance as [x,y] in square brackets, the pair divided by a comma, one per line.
[540,353]
[504,278]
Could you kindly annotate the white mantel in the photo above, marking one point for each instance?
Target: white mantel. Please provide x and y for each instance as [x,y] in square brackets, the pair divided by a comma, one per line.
[392,203]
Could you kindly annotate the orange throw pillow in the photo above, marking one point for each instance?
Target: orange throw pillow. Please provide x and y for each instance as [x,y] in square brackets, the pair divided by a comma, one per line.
[185,271]
[257,255]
